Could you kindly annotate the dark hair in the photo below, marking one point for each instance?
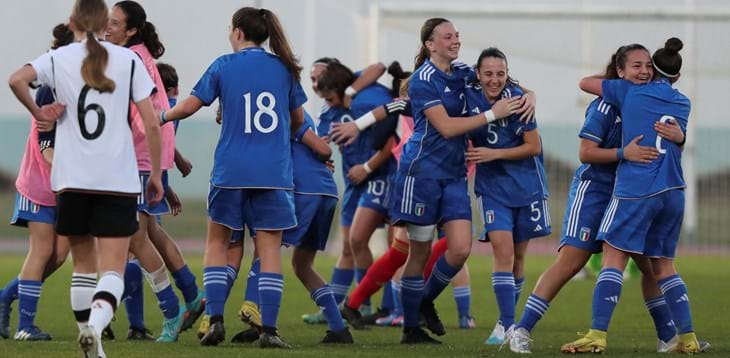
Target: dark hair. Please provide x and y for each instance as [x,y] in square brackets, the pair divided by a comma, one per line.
[618,60]
[146,32]
[426,35]
[326,61]
[399,75]
[667,60]
[62,36]
[91,16]
[258,25]
[496,53]
[168,75]
[336,77]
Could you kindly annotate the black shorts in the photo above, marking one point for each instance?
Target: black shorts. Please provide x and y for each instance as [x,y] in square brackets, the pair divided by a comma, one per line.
[100,215]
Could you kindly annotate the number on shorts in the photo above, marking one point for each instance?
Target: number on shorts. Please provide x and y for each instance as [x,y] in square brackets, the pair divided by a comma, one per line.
[536,213]
[376,187]
[82,111]
[665,118]
[261,109]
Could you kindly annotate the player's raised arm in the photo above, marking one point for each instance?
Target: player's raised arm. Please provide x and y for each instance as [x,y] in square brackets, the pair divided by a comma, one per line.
[450,127]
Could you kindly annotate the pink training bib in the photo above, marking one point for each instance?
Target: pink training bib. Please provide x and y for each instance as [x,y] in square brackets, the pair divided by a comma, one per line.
[159,102]
[34,176]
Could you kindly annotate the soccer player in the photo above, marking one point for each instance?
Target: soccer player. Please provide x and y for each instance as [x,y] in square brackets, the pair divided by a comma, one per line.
[368,170]
[251,181]
[589,196]
[510,184]
[128,26]
[93,82]
[430,186]
[35,209]
[645,214]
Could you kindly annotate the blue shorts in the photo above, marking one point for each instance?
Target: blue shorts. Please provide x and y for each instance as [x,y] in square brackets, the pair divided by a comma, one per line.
[26,211]
[423,201]
[525,223]
[647,226]
[350,201]
[587,201]
[238,235]
[259,209]
[163,207]
[376,195]
[314,216]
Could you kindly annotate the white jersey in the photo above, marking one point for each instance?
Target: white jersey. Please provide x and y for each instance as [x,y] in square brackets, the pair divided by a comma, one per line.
[94,149]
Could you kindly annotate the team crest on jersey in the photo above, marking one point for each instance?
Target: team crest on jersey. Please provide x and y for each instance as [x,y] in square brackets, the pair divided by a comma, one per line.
[489,216]
[585,234]
[420,209]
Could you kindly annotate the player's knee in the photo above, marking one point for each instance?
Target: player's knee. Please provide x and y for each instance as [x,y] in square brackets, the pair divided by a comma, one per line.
[457,254]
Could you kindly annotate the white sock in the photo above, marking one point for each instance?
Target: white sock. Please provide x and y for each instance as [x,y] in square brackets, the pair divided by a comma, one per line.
[108,294]
[82,292]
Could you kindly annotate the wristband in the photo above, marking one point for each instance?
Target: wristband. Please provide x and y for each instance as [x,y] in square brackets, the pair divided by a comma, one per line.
[365,121]
[367,167]
[163,118]
[301,131]
[349,91]
[489,115]
[620,154]
[684,140]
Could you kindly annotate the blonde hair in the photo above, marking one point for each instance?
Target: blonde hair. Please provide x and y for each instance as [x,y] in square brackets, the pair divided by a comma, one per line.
[91,16]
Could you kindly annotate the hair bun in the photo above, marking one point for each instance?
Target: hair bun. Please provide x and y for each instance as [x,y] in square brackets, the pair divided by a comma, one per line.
[395,69]
[673,45]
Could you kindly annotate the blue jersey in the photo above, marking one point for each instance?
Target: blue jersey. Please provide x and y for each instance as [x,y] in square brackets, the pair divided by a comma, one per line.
[427,154]
[257,94]
[362,148]
[311,176]
[513,183]
[603,126]
[641,106]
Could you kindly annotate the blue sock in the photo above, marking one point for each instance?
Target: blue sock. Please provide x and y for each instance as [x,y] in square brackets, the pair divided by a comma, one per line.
[605,297]
[185,282]
[359,274]
[325,299]
[462,296]
[535,308]
[252,283]
[29,292]
[519,283]
[663,323]
[10,292]
[271,287]
[215,281]
[340,283]
[386,302]
[503,284]
[231,276]
[133,296]
[675,293]
[440,277]
[412,289]
[397,303]
[169,304]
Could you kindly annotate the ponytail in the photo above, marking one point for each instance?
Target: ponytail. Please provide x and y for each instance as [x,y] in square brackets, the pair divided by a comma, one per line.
[62,36]
[619,58]
[91,17]
[426,35]
[395,70]
[667,60]
[278,43]
[146,31]
[94,65]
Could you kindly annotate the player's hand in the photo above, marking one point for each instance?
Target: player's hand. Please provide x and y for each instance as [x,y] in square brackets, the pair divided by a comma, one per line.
[174,201]
[218,115]
[330,164]
[478,155]
[346,101]
[183,165]
[527,107]
[357,174]
[634,152]
[344,133]
[506,107]
[154,190]
[47,116]
[670,131]
[327,139]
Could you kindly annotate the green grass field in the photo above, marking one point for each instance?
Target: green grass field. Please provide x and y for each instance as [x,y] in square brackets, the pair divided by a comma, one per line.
[632,333]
